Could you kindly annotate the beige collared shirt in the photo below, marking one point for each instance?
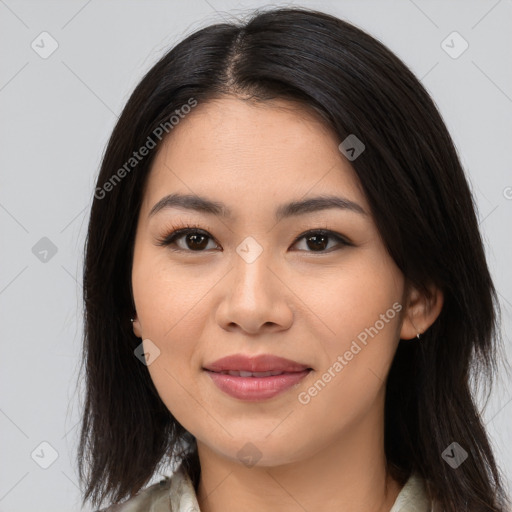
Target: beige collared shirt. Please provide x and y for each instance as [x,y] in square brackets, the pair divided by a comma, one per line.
[177,494]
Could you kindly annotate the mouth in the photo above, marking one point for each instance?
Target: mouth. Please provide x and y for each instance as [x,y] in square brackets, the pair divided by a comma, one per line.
[261,363]
[241,373]
[255,378]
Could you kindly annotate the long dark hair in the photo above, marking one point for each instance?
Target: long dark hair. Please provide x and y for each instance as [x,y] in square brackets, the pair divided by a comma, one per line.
[421,204]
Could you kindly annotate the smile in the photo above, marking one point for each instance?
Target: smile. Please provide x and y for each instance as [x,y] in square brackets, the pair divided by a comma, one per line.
[254,378]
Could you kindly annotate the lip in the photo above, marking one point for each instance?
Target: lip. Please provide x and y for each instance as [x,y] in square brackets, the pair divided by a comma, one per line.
[254,388]
[259,363]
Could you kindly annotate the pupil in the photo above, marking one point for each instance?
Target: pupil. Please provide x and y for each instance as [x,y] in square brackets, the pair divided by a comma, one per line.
[194,242]
[320,242]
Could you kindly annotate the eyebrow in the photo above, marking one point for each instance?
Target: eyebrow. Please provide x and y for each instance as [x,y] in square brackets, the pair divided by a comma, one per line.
[204,205]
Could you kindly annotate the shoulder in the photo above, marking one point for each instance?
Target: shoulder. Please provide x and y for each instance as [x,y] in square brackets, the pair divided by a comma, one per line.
[154,498]
[172,494]
[413,497]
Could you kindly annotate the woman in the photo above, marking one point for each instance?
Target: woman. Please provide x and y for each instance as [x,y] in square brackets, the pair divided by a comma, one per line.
[285,286]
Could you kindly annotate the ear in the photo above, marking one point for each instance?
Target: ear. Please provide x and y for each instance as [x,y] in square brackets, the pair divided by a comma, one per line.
[420,312]
[137,330]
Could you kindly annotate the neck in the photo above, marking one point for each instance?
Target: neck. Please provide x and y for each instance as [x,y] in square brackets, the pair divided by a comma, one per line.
[348,475]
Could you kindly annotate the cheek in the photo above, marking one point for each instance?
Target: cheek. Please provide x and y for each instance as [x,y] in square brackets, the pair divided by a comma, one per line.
[171,313]
[166,294]
[174,323]
[172,308]
[353,297]
[361,307]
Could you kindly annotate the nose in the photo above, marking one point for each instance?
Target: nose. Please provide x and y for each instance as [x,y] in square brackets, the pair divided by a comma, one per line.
[254,299]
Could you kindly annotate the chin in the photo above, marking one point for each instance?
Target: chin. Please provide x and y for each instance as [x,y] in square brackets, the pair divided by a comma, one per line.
[260,451]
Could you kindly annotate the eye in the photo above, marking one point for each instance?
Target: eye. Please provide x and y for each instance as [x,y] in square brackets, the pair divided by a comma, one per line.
[190,238]
[195,239]
[320,240]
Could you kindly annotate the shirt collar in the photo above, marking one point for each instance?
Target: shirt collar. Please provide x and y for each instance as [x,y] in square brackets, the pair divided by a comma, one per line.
[412,497]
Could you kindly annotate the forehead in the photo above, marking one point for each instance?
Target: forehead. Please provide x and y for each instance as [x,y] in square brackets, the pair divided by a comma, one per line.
[256,152]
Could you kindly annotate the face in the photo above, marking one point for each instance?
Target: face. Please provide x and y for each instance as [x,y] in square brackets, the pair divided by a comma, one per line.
[312,284]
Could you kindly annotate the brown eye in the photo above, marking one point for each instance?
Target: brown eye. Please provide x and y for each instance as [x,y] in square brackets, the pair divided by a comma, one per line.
[196,242]
[317,242]
[320,240]
[192,240]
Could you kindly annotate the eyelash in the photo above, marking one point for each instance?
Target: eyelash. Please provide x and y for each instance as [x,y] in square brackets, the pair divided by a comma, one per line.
[177,231]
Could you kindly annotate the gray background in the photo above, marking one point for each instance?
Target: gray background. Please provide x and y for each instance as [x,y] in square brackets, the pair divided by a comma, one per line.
[56,115]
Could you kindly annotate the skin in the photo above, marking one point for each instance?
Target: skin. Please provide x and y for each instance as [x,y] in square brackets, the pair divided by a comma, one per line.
[295,301]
